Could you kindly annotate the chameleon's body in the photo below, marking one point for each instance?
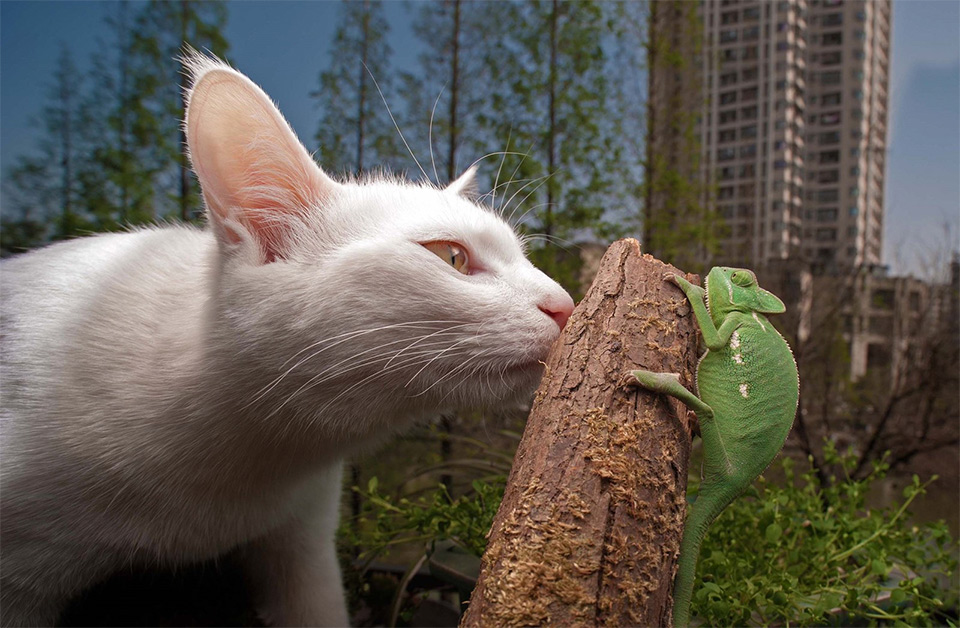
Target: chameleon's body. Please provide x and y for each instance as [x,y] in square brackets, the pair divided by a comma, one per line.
[747,392]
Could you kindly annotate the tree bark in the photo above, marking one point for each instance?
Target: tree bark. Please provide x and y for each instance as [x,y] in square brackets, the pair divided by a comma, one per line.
[589,529]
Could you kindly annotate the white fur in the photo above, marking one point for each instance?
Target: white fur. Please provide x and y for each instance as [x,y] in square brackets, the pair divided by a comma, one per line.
[172,394]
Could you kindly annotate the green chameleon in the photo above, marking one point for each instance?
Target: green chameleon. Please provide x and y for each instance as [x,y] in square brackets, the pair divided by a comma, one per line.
[747,392]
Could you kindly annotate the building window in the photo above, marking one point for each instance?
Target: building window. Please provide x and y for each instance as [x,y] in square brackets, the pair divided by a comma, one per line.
[729,77]
[854,211]
[748,132]
[750,150]
[727,136]
[882,299]
[728,97]
[749,74]
[725,193]
[726,154]
[830,157]
[752,33]
[832,58]
[832,39]
[855,171]
[727,36]
[751,13]
[854,191]
[831,195]
[728,17]
[830,118]
[827,215]
[829,176]
[830,99]
[749,93]
[826,235]
[833,137]
[830,78]
[728,116]
[832,19]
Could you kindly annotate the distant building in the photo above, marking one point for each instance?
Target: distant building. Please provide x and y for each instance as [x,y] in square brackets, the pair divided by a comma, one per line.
[792,125]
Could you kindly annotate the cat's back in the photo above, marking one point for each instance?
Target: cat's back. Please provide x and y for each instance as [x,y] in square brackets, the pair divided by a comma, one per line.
[90,304]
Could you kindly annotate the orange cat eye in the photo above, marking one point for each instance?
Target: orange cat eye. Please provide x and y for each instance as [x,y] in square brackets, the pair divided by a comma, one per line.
[450,252]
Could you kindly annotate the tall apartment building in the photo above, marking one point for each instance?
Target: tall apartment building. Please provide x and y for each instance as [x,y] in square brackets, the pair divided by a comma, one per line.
[792,125]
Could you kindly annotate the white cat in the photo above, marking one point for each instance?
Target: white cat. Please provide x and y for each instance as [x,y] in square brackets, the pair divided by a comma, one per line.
[171,394]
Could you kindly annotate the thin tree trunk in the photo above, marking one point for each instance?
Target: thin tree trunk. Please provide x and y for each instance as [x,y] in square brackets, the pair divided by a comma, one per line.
[590,525]
[362,89]
[184,168]
[454,92]
[552,110]
[66,162]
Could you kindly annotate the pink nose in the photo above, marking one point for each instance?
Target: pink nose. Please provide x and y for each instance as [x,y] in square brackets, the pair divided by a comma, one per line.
[559,312]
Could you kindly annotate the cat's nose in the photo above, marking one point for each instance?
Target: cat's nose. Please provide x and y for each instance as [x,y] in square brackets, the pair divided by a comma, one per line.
[558,309]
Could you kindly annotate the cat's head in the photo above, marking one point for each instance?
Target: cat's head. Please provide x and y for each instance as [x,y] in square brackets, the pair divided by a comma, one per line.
[376,292]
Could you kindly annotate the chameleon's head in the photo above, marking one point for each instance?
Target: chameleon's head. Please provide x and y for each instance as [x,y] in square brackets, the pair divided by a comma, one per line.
[736,290]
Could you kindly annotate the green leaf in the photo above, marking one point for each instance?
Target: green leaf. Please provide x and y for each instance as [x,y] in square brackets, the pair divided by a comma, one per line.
[773,533]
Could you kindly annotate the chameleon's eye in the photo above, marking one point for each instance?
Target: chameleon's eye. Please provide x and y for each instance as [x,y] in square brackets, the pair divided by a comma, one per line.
[743,278]
[450,252]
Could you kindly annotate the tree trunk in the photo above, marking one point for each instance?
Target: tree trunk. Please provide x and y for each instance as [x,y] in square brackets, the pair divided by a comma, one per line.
[589,529]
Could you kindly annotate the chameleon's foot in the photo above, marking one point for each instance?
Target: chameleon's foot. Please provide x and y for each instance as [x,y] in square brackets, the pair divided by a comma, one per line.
[669,384]
[659,382]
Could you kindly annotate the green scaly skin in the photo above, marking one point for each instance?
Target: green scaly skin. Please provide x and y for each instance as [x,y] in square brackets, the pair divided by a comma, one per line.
[747,392]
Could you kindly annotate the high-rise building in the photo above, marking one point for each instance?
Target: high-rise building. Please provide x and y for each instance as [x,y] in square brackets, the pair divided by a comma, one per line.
[792,125]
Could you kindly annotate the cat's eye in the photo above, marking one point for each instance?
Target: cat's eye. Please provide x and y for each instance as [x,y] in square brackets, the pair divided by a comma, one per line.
[450,252]
[743,278]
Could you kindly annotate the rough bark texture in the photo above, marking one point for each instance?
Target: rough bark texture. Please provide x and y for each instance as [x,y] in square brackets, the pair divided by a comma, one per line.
[590,525]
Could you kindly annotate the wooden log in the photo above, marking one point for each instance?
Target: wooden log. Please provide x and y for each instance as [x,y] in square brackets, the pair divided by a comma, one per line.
[589,529]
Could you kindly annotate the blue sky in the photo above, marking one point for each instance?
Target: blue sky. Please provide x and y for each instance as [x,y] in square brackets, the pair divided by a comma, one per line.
[283,46]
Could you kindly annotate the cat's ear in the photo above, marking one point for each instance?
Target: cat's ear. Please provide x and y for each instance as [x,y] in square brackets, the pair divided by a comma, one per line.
[258,180]
[466,184]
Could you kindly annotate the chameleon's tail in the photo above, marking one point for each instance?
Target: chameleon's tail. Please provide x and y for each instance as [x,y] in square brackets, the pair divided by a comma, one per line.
[709,504]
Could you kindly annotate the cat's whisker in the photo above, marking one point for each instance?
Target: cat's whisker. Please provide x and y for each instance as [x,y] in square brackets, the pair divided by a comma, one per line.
[541,181]
[513,179]
[323,377]
[394,120]
[422,339]
[340,338]
[359,332]
[433,162]
[476,369]
[326,374]
[466,363]
[562,243]
[351,358]
[438,356]
[503,158]
[526,213]
[363,381]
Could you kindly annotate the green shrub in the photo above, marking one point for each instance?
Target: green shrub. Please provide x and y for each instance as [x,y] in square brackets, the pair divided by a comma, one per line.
[799,553]
[791,552]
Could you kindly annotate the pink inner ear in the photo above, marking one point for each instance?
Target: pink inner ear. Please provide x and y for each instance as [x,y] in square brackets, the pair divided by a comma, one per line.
[251,166]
